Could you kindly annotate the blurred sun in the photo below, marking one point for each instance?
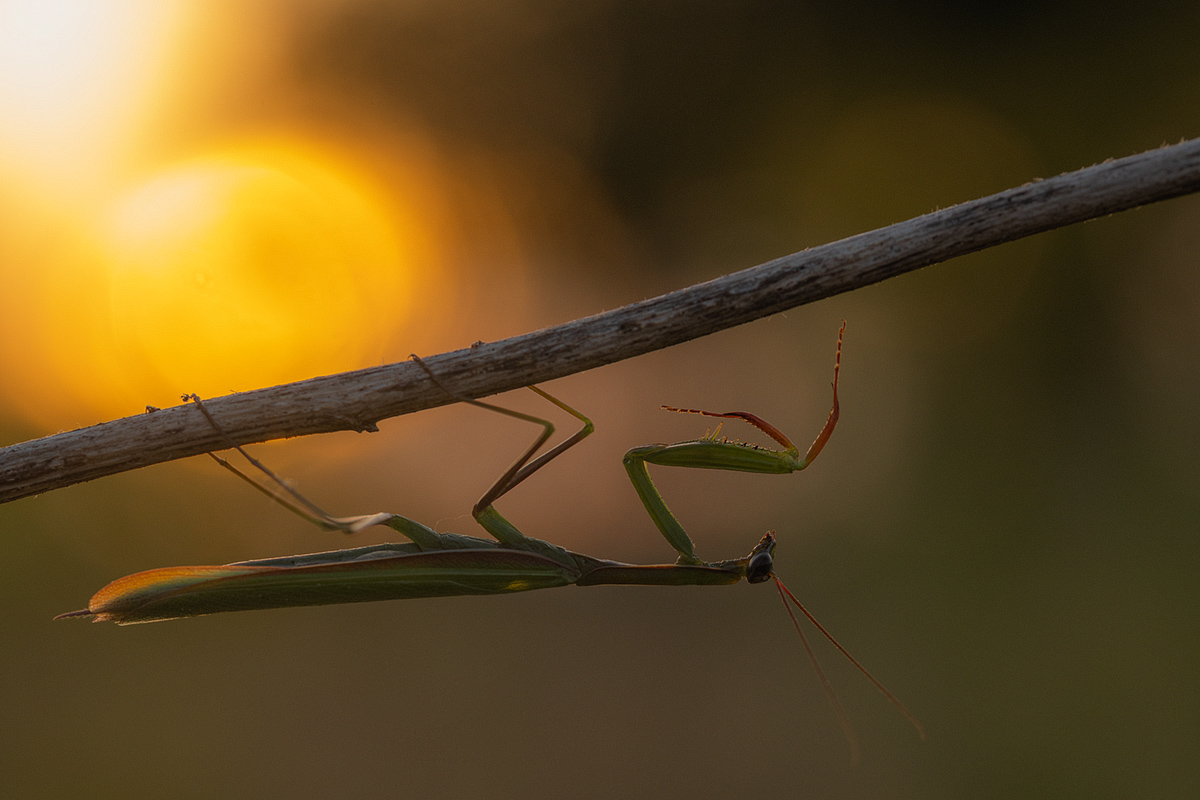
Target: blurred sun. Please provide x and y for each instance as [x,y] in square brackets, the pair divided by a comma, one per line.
[77,79]
[250,266]
[255,266]
[144,255]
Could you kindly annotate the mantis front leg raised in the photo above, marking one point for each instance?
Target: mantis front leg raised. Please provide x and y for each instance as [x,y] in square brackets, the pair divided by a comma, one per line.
[714,453]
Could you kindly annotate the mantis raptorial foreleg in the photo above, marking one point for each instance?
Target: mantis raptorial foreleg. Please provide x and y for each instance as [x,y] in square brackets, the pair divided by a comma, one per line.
[714,453]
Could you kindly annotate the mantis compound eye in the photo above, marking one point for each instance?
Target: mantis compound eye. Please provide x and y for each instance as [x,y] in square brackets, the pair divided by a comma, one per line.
[759,568]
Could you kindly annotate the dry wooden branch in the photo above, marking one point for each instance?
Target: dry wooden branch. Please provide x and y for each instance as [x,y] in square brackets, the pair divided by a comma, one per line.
[357,400]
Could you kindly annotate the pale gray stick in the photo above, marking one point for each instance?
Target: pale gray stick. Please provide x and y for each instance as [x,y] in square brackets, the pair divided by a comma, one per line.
[357,400]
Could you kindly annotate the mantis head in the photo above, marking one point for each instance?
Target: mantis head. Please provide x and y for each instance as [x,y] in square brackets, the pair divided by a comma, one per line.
[760,564]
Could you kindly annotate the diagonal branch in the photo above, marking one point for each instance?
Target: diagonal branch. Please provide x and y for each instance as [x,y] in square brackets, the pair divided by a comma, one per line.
[357,400]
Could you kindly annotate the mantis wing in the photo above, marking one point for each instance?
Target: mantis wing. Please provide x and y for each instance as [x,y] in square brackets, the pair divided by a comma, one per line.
[376,574]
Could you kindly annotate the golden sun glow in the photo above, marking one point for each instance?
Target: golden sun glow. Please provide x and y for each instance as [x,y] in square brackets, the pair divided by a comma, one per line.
[252,266]
[128,278]
[255,267]
[76,78]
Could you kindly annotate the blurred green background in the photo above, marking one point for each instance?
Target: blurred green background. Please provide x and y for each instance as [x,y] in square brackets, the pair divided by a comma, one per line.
[1003,528]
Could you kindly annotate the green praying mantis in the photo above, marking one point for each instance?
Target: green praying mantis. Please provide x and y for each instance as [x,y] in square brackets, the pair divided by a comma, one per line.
[433,564]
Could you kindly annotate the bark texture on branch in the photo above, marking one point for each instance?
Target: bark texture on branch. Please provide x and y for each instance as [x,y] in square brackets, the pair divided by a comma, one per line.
[358,400]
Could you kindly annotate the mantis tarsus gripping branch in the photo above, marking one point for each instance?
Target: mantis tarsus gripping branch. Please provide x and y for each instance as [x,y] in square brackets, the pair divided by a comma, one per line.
[433,564]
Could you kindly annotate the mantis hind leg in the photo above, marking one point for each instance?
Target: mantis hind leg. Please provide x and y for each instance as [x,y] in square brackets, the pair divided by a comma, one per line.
[285,494]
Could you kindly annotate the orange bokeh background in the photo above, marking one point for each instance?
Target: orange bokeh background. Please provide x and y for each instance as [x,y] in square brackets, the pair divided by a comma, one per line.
[216,197]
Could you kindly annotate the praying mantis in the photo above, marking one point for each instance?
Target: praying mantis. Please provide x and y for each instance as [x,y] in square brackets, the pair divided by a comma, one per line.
[433,564]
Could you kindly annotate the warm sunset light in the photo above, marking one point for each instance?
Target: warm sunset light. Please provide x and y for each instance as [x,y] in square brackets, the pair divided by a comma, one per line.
[251,266]
[255,266]
[137,264]
[76,77]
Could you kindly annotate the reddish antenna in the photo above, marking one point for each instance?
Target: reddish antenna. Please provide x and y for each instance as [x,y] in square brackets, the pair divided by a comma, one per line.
[785,594]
